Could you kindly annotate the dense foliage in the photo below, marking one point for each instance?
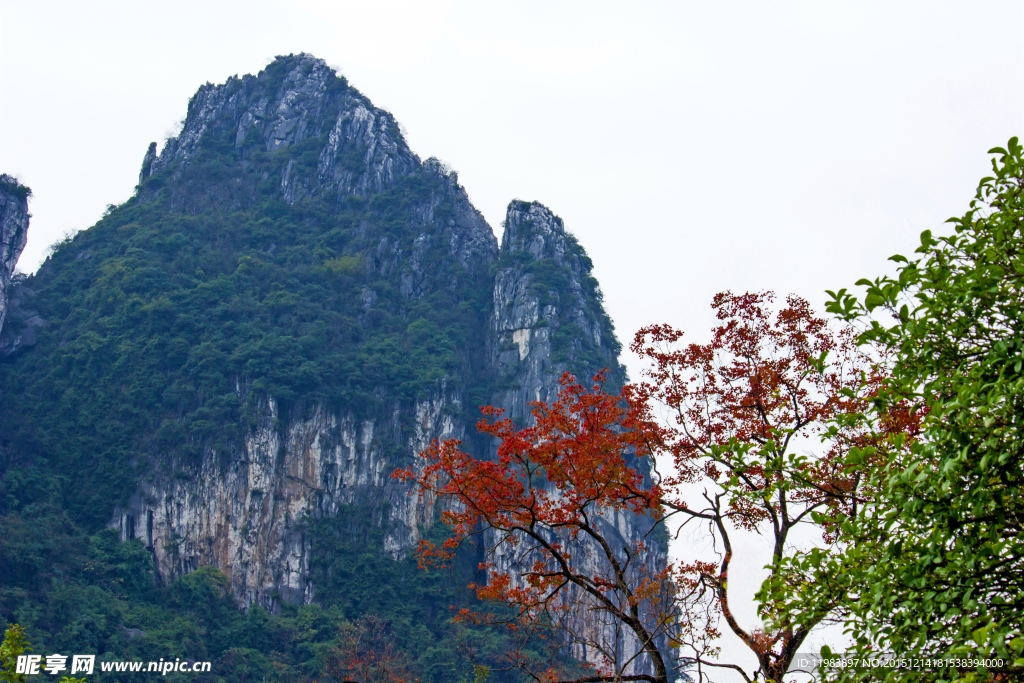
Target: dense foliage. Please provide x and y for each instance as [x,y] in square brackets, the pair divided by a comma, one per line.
[10,185]
[939,561]
[92,594]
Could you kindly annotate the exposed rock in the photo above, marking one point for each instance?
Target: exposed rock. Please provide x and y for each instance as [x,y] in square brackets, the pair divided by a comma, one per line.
[547,320]
[548,316]
[349,146]
[14,219]
[23,321]
[246,518]
[147,162]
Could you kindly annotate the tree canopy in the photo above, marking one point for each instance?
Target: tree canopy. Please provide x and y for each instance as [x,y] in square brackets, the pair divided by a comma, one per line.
[940,557]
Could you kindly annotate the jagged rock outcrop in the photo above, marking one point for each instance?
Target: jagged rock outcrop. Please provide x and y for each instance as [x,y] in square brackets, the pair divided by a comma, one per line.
[14,218]
[347,146]
[547,316]
[548,319]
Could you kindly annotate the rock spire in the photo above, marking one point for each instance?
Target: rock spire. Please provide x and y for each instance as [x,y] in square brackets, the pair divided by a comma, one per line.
[14,219]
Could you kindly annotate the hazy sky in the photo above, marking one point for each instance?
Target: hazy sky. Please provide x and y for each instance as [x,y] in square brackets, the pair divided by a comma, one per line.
[691,147]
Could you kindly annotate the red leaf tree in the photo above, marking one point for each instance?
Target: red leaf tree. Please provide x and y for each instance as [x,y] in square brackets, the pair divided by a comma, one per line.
[547,506]
[759,429]
[725,454]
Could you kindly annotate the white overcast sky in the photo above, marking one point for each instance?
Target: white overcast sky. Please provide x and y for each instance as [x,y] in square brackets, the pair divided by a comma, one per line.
[691,147]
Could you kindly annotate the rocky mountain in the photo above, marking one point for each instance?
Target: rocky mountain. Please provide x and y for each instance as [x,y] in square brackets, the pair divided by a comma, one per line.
[338,143]
[14,219]
[291,306]
[547,316]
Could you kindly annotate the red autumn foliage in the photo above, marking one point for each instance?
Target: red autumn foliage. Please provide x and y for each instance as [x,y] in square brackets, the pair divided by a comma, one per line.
[761,421]
[739,404]
[366,653]
[739,414]
[546,501]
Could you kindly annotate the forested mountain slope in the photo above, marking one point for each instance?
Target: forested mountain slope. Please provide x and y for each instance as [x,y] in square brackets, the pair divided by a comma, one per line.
[235,360]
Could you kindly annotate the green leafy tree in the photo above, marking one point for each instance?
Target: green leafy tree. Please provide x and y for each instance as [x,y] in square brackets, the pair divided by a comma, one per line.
[14,644]
[937,559]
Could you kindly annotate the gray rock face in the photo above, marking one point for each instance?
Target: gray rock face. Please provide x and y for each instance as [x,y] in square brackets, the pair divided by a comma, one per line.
[14,219]
[548,316]
[349,147]
[246,518]
[23,321]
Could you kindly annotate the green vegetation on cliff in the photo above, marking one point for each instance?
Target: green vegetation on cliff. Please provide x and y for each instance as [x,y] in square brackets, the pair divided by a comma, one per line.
[82,594]
[334,270]
[165,329]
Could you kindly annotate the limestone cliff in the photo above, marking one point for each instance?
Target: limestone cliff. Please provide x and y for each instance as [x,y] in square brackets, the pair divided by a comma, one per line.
[247,518]
[548,319]
[14,219]
[547,315]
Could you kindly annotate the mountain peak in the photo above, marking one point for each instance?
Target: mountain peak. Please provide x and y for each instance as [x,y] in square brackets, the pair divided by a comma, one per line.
[548,313]
[296,128]
[533,227]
